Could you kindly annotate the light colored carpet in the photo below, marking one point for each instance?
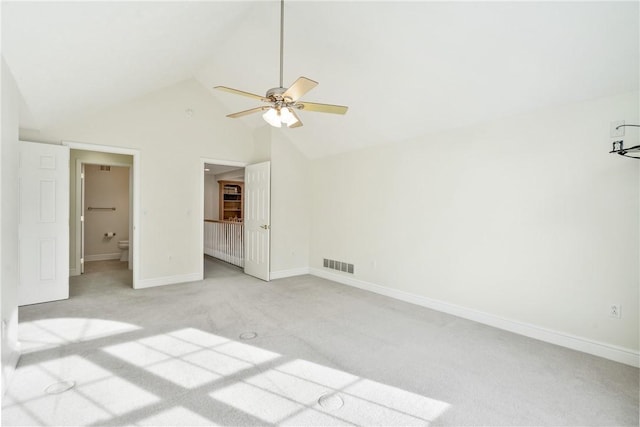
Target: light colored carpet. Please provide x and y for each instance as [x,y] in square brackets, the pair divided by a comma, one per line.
[173,356]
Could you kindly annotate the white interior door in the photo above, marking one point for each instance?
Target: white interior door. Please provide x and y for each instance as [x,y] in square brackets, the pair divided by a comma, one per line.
[44,223]
[257,219]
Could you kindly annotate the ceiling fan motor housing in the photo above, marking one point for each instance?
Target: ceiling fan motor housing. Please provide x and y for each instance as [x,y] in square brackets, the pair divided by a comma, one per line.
[276,93]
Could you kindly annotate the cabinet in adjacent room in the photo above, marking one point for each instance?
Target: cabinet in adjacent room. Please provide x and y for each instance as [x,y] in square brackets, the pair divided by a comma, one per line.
[231,200]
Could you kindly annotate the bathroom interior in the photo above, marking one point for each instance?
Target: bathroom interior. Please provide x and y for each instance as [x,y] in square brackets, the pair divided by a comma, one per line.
[103,199]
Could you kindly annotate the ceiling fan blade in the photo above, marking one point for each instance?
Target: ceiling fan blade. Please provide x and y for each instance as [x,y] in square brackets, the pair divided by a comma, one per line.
[241,92]
[247,112]
[299,88]
[299,122]
[323,108]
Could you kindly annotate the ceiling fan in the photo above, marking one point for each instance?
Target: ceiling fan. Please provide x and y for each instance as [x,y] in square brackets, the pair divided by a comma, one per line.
[282,102]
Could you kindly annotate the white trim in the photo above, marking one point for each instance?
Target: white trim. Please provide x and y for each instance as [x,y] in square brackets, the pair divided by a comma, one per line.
[203,162]
[281,274]
[135,239]
[169,280]
[102,257]
[100,148]
[607,351]
[77,185]
[78,213]
[74,272]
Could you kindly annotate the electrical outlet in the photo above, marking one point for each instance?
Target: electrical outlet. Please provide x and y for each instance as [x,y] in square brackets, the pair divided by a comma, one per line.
[616,132]
[615,310]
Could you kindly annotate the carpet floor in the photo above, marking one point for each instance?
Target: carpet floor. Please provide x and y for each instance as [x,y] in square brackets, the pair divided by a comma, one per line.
[233,350]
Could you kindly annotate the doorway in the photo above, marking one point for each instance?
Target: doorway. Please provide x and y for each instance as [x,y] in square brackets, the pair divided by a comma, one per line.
[223,215]
[236,209]
[104,214]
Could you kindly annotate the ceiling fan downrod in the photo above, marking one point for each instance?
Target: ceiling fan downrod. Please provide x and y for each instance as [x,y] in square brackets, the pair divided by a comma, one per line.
[281,40]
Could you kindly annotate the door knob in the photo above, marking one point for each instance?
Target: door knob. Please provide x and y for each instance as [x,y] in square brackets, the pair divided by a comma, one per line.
[265,226]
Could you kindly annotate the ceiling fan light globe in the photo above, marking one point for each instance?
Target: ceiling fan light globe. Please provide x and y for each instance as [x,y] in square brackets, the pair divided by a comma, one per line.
[272,116]
[287,117]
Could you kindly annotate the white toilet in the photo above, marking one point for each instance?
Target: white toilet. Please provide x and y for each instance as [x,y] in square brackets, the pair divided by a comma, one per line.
[124,248]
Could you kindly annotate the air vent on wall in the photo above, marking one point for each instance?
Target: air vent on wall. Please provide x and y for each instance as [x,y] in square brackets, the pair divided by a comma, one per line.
[337,265]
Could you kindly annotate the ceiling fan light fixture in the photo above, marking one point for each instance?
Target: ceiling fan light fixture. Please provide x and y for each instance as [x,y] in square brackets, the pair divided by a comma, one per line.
[272,116]
[283,100]
[275,117]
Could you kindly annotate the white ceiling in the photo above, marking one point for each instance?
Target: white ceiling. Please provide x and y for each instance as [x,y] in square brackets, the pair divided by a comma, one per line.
[219,169]
[403,68]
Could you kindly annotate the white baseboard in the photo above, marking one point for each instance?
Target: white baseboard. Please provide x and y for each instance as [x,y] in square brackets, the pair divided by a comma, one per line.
[102,257]
[168,280]
[74,272]
[281,274]
[607,351]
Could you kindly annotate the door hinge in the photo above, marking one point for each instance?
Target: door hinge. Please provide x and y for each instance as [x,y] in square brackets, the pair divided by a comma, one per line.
[81,175]
[81,260]
[81,218]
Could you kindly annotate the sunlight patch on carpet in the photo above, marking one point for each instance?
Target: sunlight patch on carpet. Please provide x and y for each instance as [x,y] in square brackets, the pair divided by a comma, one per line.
[50,333]
[137,381]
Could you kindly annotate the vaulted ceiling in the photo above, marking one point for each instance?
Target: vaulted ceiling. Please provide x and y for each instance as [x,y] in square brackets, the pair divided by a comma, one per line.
[404,68]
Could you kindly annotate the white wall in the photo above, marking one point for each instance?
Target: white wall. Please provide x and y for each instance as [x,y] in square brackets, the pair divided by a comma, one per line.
[171,145]
[105,189]
[9,224]
[527,219]
[290,202]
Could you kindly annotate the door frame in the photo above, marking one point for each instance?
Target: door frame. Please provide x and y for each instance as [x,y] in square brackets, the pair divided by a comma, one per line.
[201,175]
[135,197]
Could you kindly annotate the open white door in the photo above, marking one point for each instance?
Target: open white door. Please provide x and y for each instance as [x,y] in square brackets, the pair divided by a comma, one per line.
[257,219]
[44,223]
